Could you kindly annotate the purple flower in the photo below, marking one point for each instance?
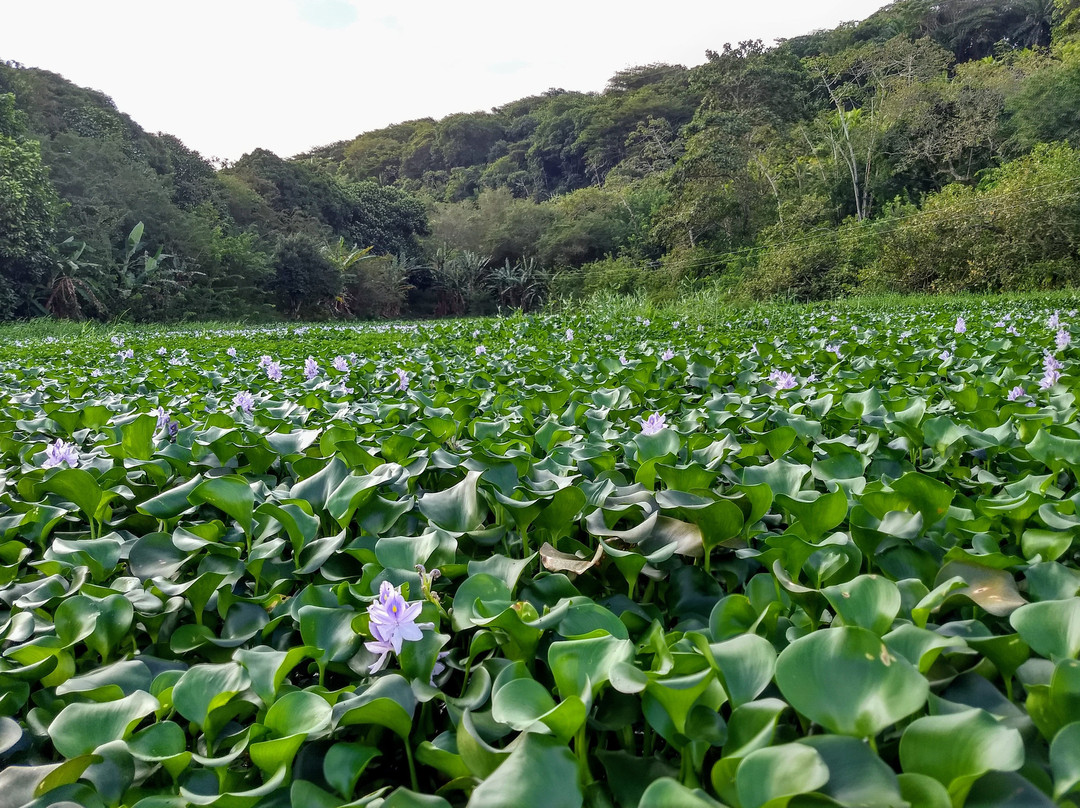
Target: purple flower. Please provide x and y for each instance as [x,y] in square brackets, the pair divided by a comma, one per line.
[244,401]
[340,363]
[393,620]
[162,418]
[231,352]
[569,334]
[653,424]
[1011,330]
[1054,320]
[264,361]
[125,354]
[161,351]
[59,453]
[273,371]
[403,379]
[311,368]
[667,355]
[945,356]
[782,380]
[480,350]
[961,325]
[834,348]
[1062,339]
[1049,379]
[1051,362]
[623,360]
[1016,392]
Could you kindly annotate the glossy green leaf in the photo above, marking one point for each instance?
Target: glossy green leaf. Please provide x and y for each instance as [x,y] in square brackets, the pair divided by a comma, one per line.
[879,688]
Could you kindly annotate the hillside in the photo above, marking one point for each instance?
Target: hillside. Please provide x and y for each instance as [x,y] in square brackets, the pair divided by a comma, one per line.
[824,165]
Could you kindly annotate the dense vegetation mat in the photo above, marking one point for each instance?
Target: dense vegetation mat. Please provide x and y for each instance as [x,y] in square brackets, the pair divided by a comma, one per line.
[545,561]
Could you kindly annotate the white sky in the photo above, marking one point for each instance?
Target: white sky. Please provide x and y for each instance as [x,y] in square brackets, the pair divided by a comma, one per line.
[227,76]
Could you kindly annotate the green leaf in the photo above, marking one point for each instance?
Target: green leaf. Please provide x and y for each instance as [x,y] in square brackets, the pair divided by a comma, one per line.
[1050,627]
[857,776]
[457,508]
[298,712]
[746,665]
[777,772]
[540,773]
[667,792]
[879,689]
[75,485]
[869,601]
[815,513]
[958,748]
[231,495]
[389,702]
[1065,759]
[203,688]
[582,667]
[344,764]
[80,728]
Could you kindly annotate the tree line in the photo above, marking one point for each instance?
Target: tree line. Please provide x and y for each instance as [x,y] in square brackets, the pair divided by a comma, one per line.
[926,148]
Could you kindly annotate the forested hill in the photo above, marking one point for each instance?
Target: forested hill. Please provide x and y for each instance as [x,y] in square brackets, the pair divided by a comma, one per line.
[923,149]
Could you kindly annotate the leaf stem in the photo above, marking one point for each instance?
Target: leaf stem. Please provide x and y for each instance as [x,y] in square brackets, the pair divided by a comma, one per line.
[412,765]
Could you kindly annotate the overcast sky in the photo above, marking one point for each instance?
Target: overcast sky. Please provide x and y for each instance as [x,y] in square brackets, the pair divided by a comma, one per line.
[227,76]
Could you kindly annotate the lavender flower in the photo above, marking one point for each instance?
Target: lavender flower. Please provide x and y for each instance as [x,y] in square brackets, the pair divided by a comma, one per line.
[1051,362]
[1062,339]
[59,453]
[945,356]
[126,354]
[782,380]
[480,350]
[340,363]
[961,325]
[402,378]
[623,360]
[569,335]
[244,401]
[311,368]
[393,620]
[273,371]
[653,424]
[161,351]
[231,352]
[1016,392]
[667,355]
[264,361]
[162,418]
[1054,320]
[1011,330]
[1049,379]
[833,348]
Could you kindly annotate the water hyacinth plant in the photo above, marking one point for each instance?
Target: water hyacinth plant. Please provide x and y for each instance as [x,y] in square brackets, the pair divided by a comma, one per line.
[540,574]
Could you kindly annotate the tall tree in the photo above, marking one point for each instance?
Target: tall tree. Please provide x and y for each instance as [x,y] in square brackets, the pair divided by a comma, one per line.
[28,207]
